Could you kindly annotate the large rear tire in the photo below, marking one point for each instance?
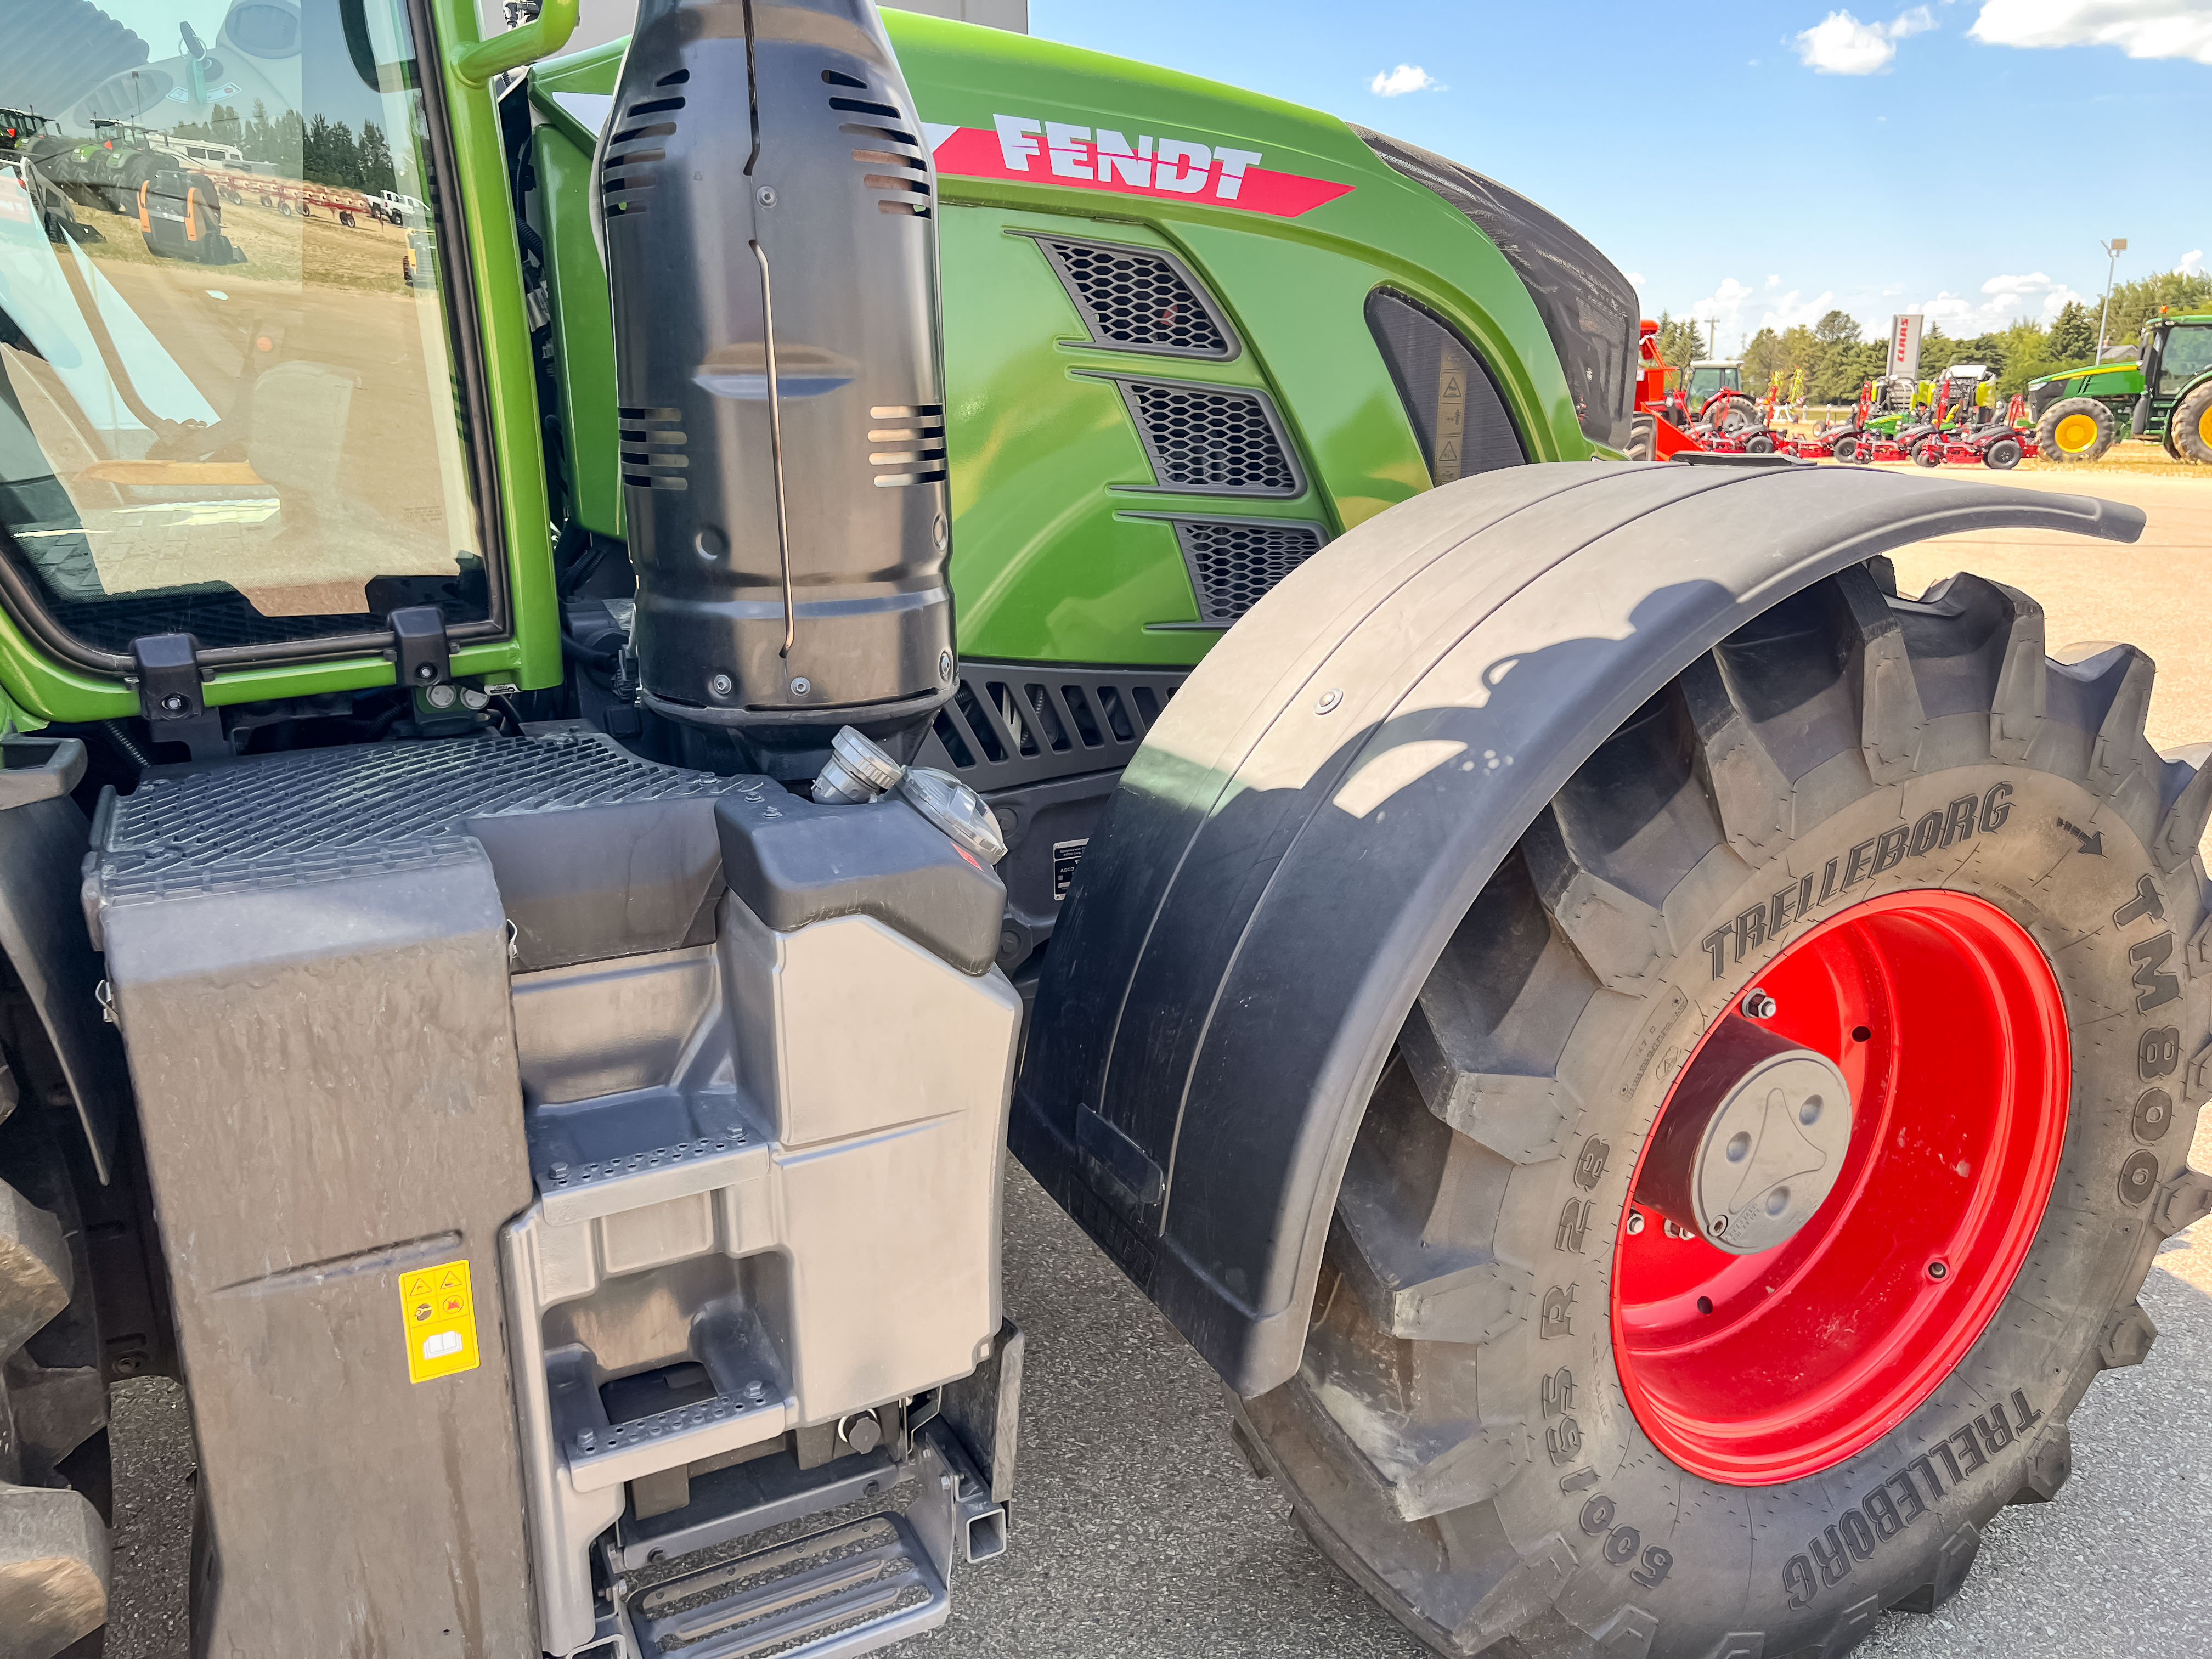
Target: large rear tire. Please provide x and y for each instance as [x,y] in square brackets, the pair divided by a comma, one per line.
[1732,413]
[2077,429]
[2189,426]
[1501,1427]
[53,1393]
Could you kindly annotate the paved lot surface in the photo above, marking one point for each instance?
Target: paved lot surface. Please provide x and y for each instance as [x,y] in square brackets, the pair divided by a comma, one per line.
[1140,1535]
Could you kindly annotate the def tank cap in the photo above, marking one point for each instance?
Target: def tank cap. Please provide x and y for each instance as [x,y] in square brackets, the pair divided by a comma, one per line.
[957,809]
[859,770]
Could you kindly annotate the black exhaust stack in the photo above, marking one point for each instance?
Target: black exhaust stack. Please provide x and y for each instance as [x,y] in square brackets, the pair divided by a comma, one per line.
[768,215]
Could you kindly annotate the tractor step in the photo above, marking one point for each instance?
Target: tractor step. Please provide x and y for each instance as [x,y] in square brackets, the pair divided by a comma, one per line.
[849,1590]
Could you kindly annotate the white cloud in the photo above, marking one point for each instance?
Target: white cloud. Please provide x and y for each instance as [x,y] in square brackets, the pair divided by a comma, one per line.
[1787,310]
[2192,264]
[1407,78]
[1840,44]
[2142,28]
[1635,279]
[1723,311]
[2004,298]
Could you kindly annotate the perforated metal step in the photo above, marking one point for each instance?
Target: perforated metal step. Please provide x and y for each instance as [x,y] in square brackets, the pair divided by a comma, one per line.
[849,1590]
[268,812]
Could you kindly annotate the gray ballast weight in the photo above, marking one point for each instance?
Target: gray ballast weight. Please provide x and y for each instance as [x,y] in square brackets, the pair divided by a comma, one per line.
[516,1171]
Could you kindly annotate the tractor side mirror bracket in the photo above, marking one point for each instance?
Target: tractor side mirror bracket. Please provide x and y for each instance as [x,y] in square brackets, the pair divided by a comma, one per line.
[541,37]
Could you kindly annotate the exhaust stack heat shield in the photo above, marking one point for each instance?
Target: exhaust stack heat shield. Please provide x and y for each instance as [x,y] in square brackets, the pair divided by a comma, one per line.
[767,210]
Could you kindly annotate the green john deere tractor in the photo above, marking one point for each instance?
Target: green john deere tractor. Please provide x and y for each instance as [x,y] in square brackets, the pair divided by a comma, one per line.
[2165,393]
[1652,1066]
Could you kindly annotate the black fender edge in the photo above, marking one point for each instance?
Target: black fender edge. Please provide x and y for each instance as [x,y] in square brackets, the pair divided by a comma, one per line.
[44,839]
[1287,855]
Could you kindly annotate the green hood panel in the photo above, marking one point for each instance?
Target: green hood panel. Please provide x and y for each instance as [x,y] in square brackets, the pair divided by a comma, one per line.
[2105,380]
[1062,549]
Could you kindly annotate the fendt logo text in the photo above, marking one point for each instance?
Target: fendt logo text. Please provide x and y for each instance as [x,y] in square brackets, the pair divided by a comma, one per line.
[1181,167]
[1103,158]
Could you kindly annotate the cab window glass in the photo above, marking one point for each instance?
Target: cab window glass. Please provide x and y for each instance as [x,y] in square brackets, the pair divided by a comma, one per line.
[2188,354]
[230,400]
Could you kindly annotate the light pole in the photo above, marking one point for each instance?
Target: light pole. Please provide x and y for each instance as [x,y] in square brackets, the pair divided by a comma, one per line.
[2114,249]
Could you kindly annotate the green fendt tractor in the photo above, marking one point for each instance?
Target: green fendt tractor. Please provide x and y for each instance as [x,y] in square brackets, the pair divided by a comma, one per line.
[2165,393]
[1652,1066]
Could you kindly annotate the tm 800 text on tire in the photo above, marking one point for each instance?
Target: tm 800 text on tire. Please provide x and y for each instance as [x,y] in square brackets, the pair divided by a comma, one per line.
[1889,844]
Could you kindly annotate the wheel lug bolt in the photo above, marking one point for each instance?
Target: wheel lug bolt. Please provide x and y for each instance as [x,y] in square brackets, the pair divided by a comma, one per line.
[1757,1005]
[1938,1269]
[1635,1221]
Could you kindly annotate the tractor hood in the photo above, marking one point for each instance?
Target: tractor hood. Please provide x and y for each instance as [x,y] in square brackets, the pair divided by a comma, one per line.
[1012,120]
[2101,374]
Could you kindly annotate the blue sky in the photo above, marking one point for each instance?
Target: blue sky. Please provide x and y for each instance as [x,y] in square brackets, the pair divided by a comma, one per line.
[1758,161]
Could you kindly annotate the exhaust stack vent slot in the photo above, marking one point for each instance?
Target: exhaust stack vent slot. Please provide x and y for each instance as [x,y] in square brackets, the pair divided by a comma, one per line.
[1138,299]
[652,443]
[626,170]
[906,445]
[892,159]
[1233,561]
[1212,440]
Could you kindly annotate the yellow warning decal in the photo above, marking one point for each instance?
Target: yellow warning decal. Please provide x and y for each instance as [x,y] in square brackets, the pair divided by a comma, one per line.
[440,1317]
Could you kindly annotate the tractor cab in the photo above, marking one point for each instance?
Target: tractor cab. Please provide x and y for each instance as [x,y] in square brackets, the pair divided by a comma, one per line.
[2177,351]
[22,128]
[1708,377]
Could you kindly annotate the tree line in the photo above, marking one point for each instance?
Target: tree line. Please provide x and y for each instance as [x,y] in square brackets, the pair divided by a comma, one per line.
[319,151]
[1837,356]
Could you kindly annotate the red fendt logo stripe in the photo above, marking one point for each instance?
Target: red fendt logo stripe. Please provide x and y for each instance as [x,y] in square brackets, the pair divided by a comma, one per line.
[1056,153]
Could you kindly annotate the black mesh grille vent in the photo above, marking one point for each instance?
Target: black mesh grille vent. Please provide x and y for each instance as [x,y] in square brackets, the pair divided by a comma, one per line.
[1135,299]
[1016,723]
[892,160]
[1211,440]
[651,444]
[907,444]
[636,140]
[1233,561]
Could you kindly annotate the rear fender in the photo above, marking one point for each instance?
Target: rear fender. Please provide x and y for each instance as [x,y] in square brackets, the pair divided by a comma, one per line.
[1287,855]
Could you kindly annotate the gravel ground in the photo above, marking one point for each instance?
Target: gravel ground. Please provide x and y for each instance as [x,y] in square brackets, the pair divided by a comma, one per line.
[1139,1532]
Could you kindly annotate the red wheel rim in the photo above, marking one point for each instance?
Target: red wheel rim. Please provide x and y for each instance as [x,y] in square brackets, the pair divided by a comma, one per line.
[1945,1020]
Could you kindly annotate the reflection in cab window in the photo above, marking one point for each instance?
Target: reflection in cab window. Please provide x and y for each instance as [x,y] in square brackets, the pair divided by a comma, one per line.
[229,399]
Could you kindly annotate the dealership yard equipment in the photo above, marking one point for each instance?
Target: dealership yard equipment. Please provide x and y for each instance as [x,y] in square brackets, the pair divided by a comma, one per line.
[1652,1066]
[2165,393]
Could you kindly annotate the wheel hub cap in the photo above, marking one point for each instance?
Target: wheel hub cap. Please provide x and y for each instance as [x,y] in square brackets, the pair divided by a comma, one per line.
[1755,1137]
